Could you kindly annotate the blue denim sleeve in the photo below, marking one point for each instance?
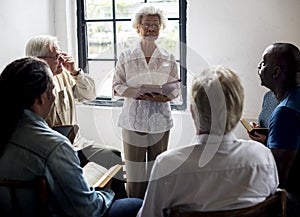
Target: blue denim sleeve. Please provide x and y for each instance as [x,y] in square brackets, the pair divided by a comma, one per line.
[70,193]
[284,129]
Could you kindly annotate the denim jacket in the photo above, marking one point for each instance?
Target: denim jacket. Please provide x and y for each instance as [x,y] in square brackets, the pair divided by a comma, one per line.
[35,149]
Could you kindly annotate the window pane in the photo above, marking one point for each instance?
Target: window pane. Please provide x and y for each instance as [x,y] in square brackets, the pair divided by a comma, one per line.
[170,7]
[169,38]
[98,9]
[100,21]
[125,31]
[126,8]
[100,39]
[126,36]
[102,73]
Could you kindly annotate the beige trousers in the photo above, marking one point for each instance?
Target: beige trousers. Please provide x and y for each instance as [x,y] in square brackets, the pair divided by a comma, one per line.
[140,151]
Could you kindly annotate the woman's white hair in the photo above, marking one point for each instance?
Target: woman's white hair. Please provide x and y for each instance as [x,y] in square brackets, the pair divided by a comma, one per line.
[146,10]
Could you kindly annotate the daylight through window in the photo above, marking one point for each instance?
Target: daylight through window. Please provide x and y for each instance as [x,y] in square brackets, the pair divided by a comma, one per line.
[104,30]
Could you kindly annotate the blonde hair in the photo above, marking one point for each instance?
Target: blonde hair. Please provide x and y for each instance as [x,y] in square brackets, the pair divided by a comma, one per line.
[217,99]
[146,10]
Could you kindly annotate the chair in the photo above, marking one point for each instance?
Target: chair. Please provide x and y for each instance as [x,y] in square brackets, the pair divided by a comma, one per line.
[273,206]
[69,131]
[39,185]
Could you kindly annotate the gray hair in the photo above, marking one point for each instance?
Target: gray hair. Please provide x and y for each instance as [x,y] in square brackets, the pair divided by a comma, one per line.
[146,10]
[217,99]
[40,45]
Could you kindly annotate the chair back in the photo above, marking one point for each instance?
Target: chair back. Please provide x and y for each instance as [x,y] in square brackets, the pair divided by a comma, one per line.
[69,131]
[273,206]
[38,185]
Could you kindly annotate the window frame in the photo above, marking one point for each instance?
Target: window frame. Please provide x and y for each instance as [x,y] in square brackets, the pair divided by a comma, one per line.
[83,50]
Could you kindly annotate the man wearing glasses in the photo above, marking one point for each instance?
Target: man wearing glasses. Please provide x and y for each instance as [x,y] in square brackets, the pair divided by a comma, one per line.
[70,82]
[73,85]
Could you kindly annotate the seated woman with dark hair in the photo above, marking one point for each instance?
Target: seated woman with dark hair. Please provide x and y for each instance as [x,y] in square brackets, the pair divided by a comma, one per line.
[30,148]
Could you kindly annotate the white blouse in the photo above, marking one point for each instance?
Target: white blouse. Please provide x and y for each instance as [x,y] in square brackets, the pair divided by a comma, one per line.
[132,70]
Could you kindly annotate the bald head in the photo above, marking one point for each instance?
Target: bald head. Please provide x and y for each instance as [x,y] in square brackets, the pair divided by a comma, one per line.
[287,57]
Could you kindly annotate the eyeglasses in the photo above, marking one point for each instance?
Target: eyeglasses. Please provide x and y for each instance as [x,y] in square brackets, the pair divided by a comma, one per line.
[54,58]
[148,25]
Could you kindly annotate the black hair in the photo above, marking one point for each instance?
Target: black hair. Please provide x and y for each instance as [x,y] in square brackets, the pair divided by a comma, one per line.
[288,59]
[21,82]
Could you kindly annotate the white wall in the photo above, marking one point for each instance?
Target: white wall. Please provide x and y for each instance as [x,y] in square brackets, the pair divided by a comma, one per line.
[228,32]
[236,32]
[100,124]
[19,21]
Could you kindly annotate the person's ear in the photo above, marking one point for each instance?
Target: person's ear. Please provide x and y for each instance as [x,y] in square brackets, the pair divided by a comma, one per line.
[192,111]
[43,98]
[196,122]
[276,72]
[38,100]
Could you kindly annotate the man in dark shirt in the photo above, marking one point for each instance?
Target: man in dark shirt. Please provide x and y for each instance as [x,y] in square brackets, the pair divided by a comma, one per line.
[279,71]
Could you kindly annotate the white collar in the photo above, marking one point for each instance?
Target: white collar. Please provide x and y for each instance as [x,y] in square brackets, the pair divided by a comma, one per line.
[211,145]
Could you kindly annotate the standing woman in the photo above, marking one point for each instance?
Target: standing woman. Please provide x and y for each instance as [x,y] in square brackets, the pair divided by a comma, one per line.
[146,119]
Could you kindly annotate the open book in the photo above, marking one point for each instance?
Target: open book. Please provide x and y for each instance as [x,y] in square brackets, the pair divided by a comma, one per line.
[165,89]
[98,176]
[251,130]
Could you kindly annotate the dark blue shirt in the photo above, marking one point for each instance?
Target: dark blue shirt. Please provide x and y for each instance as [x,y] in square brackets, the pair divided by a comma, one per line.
[284,133]
[284,127]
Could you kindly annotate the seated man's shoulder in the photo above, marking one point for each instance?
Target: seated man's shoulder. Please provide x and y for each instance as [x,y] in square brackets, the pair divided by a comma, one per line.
[255,151]
[176,152]
[49,140]
[175,158]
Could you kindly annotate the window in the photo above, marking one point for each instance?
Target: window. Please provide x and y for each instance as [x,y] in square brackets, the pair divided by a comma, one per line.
[104,30]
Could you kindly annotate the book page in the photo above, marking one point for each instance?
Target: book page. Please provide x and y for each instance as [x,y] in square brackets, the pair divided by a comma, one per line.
[151,86]
[246,125]
[148,88]
[108,176]
[251,130]
[92,172]
[166,88]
